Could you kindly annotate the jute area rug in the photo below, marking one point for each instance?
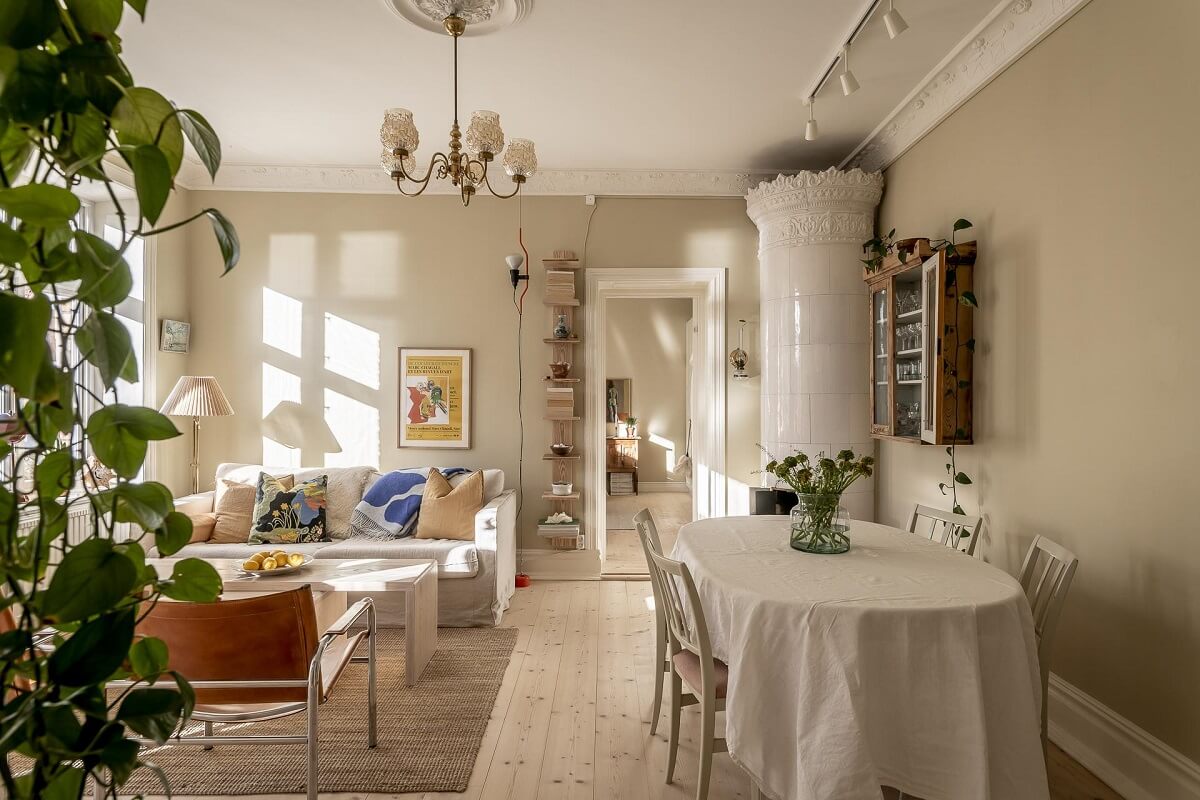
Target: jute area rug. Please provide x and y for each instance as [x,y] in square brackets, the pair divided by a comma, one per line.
[429,734]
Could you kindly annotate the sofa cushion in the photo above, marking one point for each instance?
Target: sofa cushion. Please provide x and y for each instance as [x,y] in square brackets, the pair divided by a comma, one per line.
[449,513]
[345,486]
[455,559]
[493,481]
[286,515]
[234,510]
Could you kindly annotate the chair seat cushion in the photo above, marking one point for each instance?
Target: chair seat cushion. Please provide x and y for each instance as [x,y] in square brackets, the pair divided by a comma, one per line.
[455,559]
[687,664]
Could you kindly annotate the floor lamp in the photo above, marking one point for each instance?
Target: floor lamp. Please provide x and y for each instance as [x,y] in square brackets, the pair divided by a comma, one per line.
[196,396]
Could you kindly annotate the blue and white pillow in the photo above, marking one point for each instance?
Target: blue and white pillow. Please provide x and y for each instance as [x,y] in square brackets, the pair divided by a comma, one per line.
[389,509]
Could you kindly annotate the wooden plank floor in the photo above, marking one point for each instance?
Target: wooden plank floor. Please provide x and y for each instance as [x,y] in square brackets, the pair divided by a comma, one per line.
[572,718]
[671,511]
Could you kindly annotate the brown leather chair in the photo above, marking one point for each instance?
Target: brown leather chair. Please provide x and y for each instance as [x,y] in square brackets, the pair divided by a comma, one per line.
[261,658]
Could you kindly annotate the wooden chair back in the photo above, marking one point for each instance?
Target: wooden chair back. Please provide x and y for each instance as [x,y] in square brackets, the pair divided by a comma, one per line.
[267,638]
[685,617]
[959,531]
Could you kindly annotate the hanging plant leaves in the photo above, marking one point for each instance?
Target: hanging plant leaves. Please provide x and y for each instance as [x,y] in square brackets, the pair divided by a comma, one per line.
[968,299]
[227,238]
[203,138]
[151,179]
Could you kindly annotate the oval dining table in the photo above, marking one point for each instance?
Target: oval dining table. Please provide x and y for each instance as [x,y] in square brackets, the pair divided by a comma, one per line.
[902,663]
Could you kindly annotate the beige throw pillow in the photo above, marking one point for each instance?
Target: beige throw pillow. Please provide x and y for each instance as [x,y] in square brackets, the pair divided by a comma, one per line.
[235,512]
[449,513]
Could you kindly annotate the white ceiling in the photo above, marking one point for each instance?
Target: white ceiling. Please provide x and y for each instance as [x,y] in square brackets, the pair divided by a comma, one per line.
[599,84]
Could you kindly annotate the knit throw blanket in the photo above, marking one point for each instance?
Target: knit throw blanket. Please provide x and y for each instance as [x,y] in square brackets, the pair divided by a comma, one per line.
[389,509]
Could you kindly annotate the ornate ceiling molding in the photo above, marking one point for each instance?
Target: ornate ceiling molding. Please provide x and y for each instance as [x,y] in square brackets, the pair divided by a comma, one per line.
[482,16]
[373,180]
[1006,34]
[828,206]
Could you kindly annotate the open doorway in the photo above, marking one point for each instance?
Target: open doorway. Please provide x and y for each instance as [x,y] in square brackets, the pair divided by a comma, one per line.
[647,399]
[665,330]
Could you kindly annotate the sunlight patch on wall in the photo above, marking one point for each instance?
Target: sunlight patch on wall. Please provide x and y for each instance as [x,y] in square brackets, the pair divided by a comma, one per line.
[369,264]
[667,445]
[278,385]
[356,426]
[282,321]
[352,351]
[292,262]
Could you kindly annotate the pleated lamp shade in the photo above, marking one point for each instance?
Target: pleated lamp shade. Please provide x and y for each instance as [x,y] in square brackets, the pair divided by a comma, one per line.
[197,396]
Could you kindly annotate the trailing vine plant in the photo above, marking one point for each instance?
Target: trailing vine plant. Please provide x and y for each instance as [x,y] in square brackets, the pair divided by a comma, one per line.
[877,249]
[69,606]
[953,347]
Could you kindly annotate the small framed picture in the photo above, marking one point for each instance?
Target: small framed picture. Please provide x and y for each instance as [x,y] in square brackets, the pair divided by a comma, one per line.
[435,397]
[176,336]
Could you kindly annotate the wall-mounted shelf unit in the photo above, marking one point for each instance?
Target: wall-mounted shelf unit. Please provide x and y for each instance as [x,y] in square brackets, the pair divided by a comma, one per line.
[561,401]
[920,364]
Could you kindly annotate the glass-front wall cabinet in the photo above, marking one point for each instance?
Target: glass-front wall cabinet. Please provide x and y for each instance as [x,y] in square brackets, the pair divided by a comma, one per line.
[920,360]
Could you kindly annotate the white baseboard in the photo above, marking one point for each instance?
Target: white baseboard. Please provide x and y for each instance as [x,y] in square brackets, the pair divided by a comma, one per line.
[559,565]
[1134,763]
[662,486]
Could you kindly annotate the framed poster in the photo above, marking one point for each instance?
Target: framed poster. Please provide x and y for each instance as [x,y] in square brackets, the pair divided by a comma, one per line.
[435,397]
[175,336]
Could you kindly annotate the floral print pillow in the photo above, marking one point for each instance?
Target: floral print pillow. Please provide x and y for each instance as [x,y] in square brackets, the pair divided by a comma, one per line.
[289,515]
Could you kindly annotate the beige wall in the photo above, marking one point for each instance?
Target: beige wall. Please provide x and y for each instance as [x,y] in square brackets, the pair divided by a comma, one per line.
[646,343]
[1078,167]
[428,272]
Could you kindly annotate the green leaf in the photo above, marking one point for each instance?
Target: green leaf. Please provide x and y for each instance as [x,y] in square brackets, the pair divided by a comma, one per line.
[139,6]
[119,433]
[54,475]
[121,758]
[151,179]
[12,245]
[962,478]
[66,785]
[26,324]
[105,342]
[27,23]
[227,238]
[91,579]
[106,279]
[146,504]
[968,299]
[95,651]
[203,138]
[959,510]
[962,224]
[145,117]
[39,204]
[942,487]
[99,17]
[173,534]
[154,713]
[148,657]
[193,580]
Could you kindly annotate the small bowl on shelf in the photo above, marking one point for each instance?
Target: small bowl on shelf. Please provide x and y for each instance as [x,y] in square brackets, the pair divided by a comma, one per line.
[561,449]
[560,489]
[559,369]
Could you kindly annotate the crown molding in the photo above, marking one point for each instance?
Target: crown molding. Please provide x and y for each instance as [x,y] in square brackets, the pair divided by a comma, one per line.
[1007,33]
[373,180]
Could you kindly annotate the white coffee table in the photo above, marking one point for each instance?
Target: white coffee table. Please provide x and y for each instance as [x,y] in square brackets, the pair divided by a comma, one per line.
[416,578]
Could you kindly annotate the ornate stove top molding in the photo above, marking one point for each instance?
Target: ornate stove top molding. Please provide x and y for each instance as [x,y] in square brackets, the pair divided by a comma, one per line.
[833,205]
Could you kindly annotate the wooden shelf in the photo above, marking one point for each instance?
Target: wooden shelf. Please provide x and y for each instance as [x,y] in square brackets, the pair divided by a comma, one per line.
[552,457]
[553,496]
[571,303]
[570,340]
[906,353]
[909,383]
[548,379]
[562,419]
[561,263]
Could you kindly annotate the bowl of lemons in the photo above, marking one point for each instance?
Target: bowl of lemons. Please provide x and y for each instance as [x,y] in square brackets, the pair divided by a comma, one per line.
[275,562]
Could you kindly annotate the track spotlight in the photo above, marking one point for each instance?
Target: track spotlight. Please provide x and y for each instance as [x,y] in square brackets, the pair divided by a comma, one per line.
[849,82]
[810,130]
[894,22]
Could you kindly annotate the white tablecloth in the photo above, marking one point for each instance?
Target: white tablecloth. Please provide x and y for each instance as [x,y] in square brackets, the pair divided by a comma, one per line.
[901,662]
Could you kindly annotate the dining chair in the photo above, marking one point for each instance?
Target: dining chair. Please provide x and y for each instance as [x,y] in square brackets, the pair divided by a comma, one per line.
[959,531]
[1046,576]
[651,542]
[260,658]
[692,664]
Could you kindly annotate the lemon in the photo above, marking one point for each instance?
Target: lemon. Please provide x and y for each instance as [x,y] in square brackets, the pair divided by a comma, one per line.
[269,563]
[295,559]
[262,555]
[250,564]
[279,555]
[257,559]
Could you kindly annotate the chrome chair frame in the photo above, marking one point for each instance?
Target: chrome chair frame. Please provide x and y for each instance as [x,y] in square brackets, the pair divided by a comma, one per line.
[311,705]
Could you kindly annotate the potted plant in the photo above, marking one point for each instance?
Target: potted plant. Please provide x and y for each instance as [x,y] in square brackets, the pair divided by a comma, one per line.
[819,523]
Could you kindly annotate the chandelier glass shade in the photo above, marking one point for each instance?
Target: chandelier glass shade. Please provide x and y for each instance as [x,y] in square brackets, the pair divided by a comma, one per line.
[466,164]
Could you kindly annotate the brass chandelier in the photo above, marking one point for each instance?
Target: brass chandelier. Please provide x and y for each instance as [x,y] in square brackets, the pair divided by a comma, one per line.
[466,170]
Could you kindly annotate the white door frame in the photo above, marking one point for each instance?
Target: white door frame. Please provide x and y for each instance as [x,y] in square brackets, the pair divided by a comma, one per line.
[706,289]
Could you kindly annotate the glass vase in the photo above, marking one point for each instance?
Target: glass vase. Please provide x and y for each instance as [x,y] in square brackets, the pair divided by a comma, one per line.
[820,524]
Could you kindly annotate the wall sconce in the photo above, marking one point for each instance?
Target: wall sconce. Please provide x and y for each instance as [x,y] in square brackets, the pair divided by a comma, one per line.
[738,357]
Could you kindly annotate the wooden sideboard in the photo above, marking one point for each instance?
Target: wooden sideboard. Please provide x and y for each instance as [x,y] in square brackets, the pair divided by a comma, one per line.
[621,458]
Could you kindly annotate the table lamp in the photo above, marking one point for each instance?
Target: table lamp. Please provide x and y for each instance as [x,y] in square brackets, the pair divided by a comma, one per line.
[196,396]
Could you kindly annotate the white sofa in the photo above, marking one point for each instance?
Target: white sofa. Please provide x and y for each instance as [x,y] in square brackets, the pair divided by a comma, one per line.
[476,579]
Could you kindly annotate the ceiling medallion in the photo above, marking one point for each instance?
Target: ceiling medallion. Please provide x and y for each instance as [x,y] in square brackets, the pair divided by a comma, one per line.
[467,171]
[482,16]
